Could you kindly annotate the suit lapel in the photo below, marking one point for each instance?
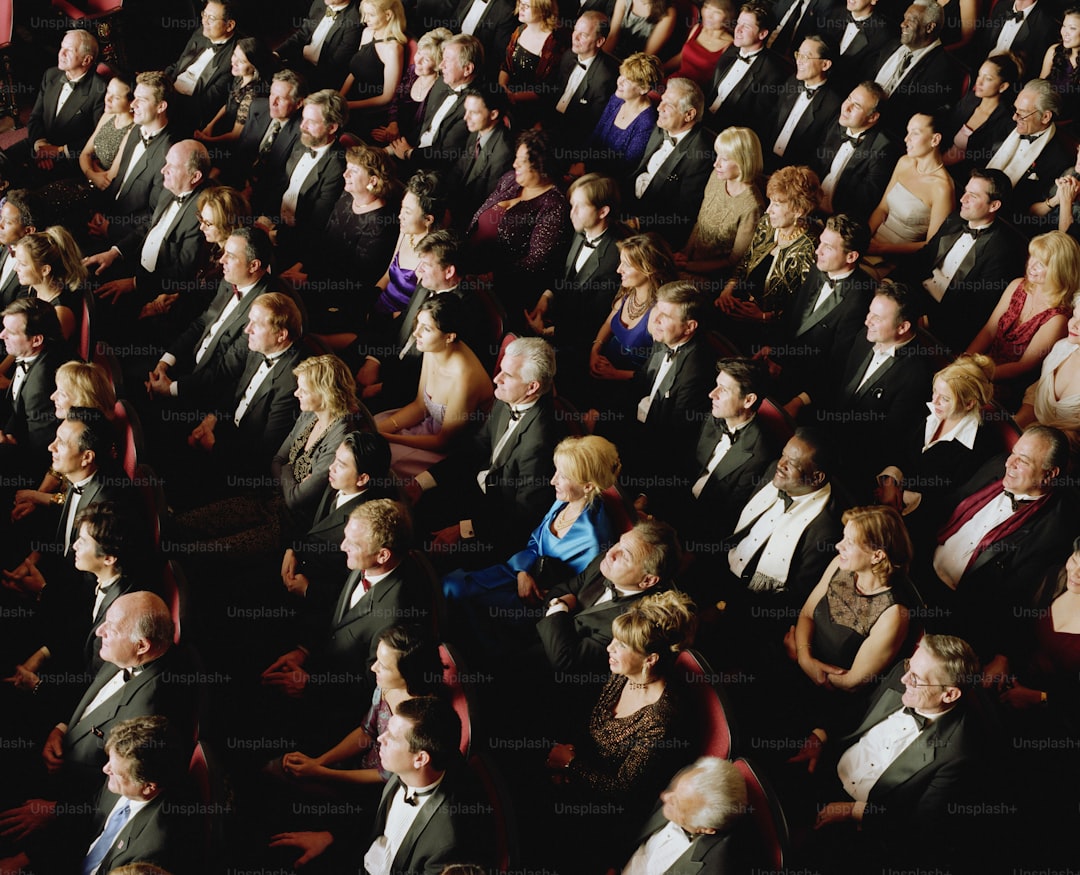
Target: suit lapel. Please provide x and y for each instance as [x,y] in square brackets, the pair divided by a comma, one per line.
[875,378]
[419,824]
[342,606]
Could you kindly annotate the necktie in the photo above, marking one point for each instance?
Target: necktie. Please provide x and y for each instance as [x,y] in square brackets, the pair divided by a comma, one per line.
[271,135]
[515,415]
[919,719]
[113,825]
[365,584]
[476,150]
[787,499]
[671,353]
[1016,503]
[237,292]
[128,674]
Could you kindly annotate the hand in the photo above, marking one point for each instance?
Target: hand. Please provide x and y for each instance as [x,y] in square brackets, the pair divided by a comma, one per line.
[528,591]
[561,756]
[311,843]
[445,539]
[399,148]
[809,753]
[202,435]
[103,261]
[1067,188]
[680,259]
[30,583]
[297,584]
[888,492]
[789,645]
[570,601]
[100,179]
[161,305]
[295,275]
[114,290]
[288,673]
[385,134]
[300,765]
[793,407]
[288,563]
[26,819]
[53,750]
[412,492]
[23,679]
[368,375]
[819,672]
[98,226]
[158,383]
[601,367]
[996,673]
[576,169]
[17,865]
[1021,697]
[21,510]
[834,812]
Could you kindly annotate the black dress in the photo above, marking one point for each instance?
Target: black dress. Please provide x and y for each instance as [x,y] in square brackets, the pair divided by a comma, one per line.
[368,72]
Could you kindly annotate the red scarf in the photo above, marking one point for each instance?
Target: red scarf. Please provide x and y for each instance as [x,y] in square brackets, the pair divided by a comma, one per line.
[973,504]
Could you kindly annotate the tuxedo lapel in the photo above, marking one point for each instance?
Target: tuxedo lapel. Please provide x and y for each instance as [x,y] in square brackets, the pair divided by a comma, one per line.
[342,606]
[875,378]
[419,824]
[834,300]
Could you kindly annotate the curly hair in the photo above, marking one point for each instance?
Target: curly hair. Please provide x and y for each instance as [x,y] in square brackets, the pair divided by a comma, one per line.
[330,380]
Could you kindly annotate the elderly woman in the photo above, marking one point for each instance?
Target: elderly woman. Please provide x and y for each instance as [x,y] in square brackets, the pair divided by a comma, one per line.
[407,107]
[50,264]
[781,251]
[523,228]
[730,208]
[1054,399]
[571,535]
[422,210]
[98,157]
[618,141]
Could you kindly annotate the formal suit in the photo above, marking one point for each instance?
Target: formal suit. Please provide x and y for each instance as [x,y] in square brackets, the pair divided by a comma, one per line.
[493,30]
[583,297]
[161,833]
[246,152]
[315,201]
[719,853]
[211,88]
[340,45]
[1039,30]
[849,66]
[787,36]
[996,258]
[475,175]
[75,123]
[31,418]
[452,134]
[128,201]
[930,83]
[860,187]
[758,88]
[813,125]
[576,122]
[1034,183]
[670,203]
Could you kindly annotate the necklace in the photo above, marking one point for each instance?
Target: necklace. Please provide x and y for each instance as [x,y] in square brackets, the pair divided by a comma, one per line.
[933,169]
[561,523]
[635,685]
[634,310]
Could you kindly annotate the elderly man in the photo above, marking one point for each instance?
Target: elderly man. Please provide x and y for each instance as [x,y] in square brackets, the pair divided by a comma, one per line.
[270,132]
[695,826]
[17,220]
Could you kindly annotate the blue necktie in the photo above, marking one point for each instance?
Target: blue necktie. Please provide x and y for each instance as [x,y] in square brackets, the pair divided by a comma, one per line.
[113,825]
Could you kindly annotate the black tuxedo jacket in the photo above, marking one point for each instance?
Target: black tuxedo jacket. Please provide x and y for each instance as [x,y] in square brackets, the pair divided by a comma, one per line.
[759,88]
[721,853]
[588,101]
[850,67]
[493,30]
[477,175]
[812,128]
[813,345]
[860,187]
[212,87]
[682,398]
[10,290]
[1040,30]
[1034,185]
[251,135]
[317,196]
[583,297]
[129,203]
[930,83]
[670,204]
[31,419]
[340,45]
[449,143]
[76,122]
[814,20]
[996,258]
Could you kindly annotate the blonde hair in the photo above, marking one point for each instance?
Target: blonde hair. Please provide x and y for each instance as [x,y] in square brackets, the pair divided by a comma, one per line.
[56,249]
[1061,255]
[88,385]
[589,459]
[331,382]
[432,43]
[882,528]
[970,379]
[396,26]
[644,71]
[662,623]
[743,147]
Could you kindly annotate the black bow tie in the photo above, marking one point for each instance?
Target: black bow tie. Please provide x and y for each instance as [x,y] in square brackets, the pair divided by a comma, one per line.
[22,365]
[1014,16]
[332,13]
[671,353]
[417,794]
[515,415]
[78,490]
[1016,503]
[1030,138]
[592,244]
[855,141]
[268,361]
[975,232]
[147,140]
[668,138]
[305,149]
[810,92]
[787,499]
[920,719]
[182,199]
[858,22]
[732,435]
[128,674]
[746,59]
[583,66]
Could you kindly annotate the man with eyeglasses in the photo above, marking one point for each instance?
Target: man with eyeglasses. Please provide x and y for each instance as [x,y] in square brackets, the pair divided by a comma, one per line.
[807,107]
[322,46]
[202,75]
[899,774]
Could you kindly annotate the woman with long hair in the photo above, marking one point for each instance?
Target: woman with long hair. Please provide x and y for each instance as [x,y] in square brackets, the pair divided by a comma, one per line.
[50,264]
[375,71]
[252,70]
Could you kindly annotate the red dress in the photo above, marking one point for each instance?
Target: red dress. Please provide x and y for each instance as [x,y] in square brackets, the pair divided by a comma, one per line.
[1013,336]
[698,63]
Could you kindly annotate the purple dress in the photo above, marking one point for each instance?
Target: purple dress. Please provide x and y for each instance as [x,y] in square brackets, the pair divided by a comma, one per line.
[395,298]
[615,149]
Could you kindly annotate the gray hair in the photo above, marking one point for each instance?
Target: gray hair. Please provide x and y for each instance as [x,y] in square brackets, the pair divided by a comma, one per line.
[690,96]
[1046,98]
[721,791]
[933,13]
[538,360]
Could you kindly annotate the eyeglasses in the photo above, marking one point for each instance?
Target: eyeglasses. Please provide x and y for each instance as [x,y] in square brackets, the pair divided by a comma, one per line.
[914,680]
[1016,115]
[205,224]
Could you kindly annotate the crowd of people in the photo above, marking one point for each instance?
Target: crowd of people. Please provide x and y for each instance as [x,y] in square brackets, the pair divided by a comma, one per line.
[418,419]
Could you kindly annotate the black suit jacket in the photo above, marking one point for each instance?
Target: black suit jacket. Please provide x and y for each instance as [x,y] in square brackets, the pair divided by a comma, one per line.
[997,257]
[1035,183]
[850,67]
[452,135]
[812,127]
[671,202]
[588,101]
[721,853]
[583,297]
[246,150]
[682,398]
[1040,30]
[814,20]
[314,203]
[493,30]
[76,122]
[340,45]
[212,87]
[743,106]
[475,176]
[11,289]
[128,203]
[163,832]
[31,419]
[860,187]
[930,83]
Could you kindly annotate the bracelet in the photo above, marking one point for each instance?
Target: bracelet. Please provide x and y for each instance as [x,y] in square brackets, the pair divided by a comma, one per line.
[597,342]
[58,498]
[799,647]
[1042,697]
[54,473]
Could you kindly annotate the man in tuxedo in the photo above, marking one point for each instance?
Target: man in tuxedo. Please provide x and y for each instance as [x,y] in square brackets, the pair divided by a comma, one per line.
[488,154]
[298,202]
[270,132]
[665,189]
[490,22]
[576,628]
[967,264]
[825,317]
[1027,28]
[859,32]
[1006,532]
[795,21]
[324,43]
[857,157]
[17,219]
[69,105]
[138,183]
[915,71]
[500,488]
[443,133]
[1032,156]
[807,107]
[202,75]
[904,768]
[583,82]
[695,825]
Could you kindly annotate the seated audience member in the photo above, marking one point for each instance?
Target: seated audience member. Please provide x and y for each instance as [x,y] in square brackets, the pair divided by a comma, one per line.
[945,451]
[571,534]
[532,55]
[1027,37]
[1032,313]
[981,120]
[747,75]
[407,108]
[706,42]
[375,70]
[641,26]
[50,265]
[441,134]
[98,158]
[520,232]
[815,335]
[925,709]
[489,153]
[1054,399]
[917,198]
[780,256]
[857,156]
[269,133]
[68,106]
[967,262]
[696,822]
[32,336]
[795,21]
[1061,62]
[1061,209]
[859,31]
[320,48]
[664,190]
[576,630]
[622,131]
[638,733]
[202,75]
[297,203]
[806,107]
[251,71]
[17,220]
[132,819]
[500,485]
[490,24]
[1032,155]
[581,298]
[1003,536]
[577,96]
[419,749]
[730,209]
